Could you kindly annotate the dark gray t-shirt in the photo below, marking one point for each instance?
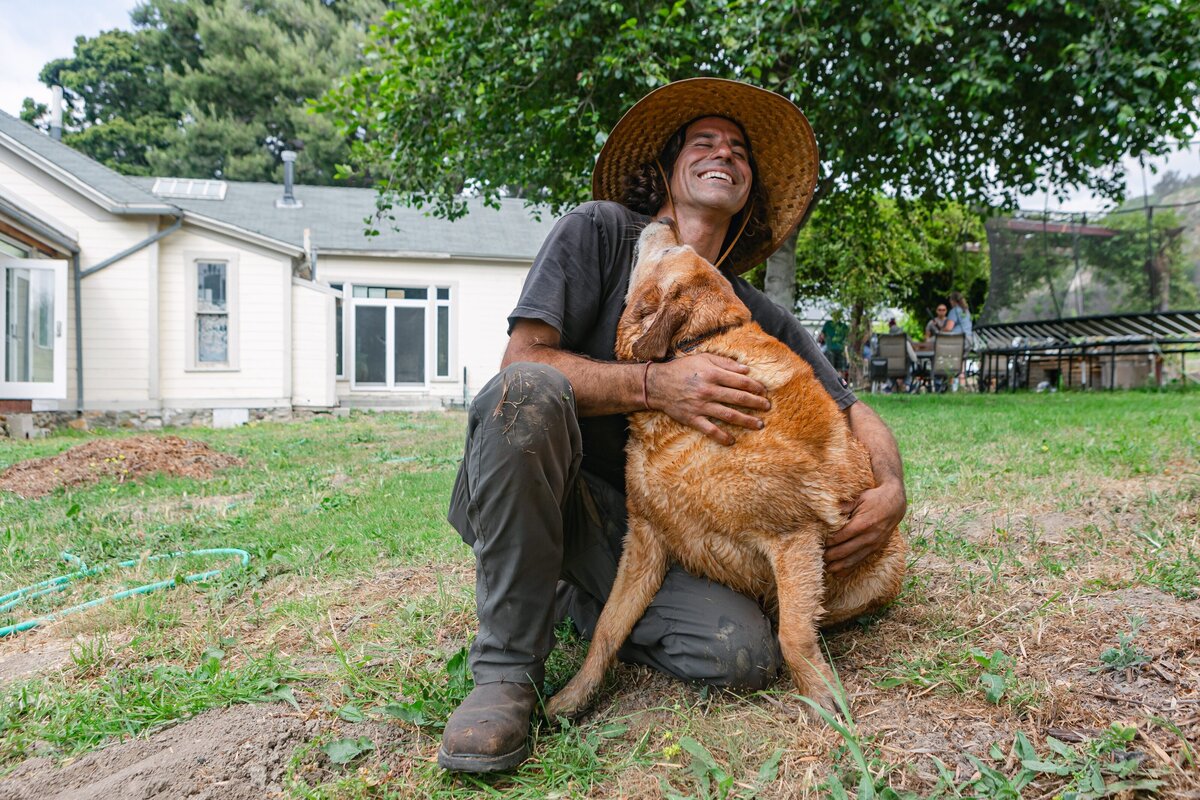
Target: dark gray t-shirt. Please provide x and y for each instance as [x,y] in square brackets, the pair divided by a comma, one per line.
[578,284]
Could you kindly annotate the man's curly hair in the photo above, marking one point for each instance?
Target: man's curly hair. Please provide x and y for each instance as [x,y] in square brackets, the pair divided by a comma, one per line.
[646,194]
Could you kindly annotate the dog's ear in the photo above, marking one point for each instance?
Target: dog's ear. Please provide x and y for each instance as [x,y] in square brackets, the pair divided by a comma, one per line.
[655,341]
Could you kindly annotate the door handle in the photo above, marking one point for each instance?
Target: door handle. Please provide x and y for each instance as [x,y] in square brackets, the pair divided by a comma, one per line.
[58,329]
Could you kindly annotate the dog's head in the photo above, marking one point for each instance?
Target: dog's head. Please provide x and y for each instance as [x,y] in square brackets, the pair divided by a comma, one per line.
[674,294]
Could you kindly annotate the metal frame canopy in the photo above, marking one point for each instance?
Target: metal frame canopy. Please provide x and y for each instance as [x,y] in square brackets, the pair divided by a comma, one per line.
[1182,327]
[1010,346]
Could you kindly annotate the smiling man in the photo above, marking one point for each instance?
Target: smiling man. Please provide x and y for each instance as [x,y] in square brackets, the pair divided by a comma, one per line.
[540,492]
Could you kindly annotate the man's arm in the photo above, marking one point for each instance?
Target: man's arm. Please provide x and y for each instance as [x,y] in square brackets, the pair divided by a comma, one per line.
[693,390]
[878,510]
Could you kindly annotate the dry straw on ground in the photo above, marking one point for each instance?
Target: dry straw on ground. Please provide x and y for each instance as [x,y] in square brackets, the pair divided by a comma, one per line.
[119,459]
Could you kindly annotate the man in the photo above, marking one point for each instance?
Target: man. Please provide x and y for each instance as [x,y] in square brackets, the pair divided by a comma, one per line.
[833,336]
[540,493]
[937,324]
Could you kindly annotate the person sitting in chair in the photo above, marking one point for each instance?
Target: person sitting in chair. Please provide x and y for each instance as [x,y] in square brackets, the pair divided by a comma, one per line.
[936,325]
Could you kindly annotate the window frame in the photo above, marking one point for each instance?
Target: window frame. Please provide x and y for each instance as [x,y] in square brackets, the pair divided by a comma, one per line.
[55,389]
[192,260]
[339,337]
[430,305]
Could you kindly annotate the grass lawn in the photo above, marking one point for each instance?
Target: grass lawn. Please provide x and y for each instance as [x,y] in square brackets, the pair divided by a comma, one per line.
[1047,641]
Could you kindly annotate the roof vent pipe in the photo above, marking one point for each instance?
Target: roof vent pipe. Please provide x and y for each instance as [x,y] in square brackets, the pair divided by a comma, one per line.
[289,171]
[56,112]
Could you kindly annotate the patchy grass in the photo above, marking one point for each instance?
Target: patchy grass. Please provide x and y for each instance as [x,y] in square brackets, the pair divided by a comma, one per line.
[1046,641]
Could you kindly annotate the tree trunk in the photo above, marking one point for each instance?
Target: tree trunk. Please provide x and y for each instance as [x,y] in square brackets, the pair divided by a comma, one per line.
[780,282]
[1159,272]
[860,331]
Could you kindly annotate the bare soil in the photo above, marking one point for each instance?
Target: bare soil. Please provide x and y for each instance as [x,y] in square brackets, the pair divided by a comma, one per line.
[121,460]
[237,753]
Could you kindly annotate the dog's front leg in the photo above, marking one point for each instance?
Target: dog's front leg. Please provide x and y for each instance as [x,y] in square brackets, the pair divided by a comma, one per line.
[799,573]
[639,575]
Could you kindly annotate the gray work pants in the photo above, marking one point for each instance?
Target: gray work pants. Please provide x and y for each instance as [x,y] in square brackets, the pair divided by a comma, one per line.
[532,516]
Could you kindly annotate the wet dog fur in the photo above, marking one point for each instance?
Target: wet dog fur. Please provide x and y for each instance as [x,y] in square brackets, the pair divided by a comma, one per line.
[753,516]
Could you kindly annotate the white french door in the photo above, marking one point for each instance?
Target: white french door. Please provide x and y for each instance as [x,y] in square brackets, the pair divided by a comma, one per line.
[33,312]
[389,340]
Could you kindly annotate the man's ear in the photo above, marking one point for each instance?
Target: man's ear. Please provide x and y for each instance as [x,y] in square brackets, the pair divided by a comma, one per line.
[654,343]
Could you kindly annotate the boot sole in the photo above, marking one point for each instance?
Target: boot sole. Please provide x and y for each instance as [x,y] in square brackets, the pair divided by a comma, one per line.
[473,762]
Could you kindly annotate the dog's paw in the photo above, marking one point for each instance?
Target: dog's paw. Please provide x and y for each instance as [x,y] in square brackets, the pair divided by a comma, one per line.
[823,698]
[568,703]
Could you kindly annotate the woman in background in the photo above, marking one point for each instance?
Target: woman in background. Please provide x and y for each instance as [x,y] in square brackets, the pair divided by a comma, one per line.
[959,318]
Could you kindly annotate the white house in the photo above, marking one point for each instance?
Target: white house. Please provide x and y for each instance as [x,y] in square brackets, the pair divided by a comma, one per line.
[146,301]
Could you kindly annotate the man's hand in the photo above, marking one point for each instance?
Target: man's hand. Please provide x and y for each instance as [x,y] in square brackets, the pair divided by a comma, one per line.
[872,518]
[696,390]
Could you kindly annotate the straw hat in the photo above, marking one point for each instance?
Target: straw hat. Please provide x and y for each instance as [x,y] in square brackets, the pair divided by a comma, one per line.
[780,136]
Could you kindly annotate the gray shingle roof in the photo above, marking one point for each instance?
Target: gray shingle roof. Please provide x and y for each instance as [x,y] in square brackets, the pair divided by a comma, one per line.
[121,194]
[335,217]
[333,214]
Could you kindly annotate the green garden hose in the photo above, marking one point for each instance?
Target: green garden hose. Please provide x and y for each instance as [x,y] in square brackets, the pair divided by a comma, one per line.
[62,581]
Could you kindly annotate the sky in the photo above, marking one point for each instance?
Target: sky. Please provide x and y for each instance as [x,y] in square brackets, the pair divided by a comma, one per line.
[37,31]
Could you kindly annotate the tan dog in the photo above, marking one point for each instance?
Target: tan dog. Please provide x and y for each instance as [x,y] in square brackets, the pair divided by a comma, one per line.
[753,516]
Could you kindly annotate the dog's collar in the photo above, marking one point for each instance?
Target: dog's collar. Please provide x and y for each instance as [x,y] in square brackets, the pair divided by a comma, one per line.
[686,346]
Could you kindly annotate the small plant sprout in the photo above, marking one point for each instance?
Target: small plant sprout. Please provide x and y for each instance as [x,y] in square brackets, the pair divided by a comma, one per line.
[1126,654]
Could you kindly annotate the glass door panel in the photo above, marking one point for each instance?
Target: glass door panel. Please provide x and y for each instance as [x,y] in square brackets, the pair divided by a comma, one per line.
[33,299]
[370,345]
[409,345]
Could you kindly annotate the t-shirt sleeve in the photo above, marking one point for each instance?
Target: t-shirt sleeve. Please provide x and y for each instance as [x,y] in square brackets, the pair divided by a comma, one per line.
[563,287]
[787,329]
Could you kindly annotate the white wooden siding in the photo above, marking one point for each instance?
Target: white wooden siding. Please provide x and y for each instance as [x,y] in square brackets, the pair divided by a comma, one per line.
[313,354]
[116,302]
[263,287]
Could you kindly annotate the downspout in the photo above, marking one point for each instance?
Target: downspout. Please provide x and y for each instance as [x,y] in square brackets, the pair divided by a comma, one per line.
[78,336]
[81,274]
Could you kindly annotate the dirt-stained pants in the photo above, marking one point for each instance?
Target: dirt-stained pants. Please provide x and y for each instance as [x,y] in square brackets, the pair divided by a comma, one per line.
[532,517]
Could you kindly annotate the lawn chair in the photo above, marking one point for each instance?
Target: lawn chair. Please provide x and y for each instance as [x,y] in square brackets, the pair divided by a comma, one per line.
[893,347]
[948,352]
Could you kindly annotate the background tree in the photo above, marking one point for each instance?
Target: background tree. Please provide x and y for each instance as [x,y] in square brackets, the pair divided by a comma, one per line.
[118,108]
[213,88]
[911,256]
[1141,277]
[976,100]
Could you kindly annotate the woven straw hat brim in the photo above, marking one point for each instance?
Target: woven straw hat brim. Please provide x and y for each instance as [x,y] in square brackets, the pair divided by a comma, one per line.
[780,137]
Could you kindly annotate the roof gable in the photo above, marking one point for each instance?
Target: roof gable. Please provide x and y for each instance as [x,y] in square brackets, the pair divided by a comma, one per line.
[111,190]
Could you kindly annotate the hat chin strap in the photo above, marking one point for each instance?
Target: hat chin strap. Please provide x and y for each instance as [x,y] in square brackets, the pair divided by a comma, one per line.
[671,206]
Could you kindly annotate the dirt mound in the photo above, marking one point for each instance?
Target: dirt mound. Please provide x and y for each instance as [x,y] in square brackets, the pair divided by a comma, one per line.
[120,459]
[232,753]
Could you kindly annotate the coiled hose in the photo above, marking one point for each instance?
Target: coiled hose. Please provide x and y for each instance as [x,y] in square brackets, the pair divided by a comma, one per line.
[62,581]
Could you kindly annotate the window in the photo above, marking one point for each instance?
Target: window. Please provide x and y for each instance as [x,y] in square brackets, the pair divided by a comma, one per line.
[33,299]
[212,314]
[211,286]
[443,332]
[337,335]
[401,335]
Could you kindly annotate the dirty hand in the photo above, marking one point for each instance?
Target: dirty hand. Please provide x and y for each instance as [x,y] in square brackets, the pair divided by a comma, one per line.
[696,390]
[872,518]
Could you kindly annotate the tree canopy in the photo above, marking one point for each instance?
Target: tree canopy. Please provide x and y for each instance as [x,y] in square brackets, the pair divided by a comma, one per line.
[975,100]
[212,88]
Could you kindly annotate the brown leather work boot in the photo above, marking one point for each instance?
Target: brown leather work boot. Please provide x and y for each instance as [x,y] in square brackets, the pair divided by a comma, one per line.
[489,732]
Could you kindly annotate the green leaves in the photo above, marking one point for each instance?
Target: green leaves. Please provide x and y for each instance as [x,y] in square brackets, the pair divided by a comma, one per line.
[998,676]
[932,100]
[210,663]
[343,751]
